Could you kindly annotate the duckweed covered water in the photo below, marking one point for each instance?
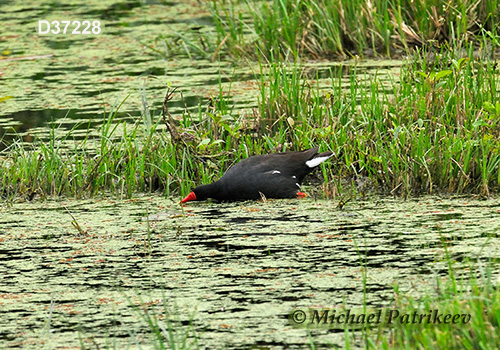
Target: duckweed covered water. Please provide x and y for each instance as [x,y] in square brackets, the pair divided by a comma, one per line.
[236,270]
[83,273]
[72,79]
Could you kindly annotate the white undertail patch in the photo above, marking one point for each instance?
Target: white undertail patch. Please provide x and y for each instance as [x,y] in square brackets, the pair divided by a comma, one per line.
[311,163]
[294,177]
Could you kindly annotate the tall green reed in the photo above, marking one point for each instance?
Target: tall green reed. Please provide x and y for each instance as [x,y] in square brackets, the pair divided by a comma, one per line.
[433,130]
[321,29]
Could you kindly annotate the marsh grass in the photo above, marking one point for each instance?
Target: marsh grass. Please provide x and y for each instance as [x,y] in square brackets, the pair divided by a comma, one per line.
[433,131]
[165,328]
[470,289]
[287,29]
[477,295]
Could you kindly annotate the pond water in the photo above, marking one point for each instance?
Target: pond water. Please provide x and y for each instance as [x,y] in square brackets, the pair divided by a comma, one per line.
[236,270]
[72,79]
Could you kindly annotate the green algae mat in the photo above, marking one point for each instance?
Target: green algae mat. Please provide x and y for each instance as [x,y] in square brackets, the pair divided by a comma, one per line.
[98,273]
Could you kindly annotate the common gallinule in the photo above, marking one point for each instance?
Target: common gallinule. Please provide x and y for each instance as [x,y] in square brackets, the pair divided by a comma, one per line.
[275,175]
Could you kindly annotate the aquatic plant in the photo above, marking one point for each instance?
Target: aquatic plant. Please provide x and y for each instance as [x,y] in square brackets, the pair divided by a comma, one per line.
[473,294]
[476,296]
[343,28]
[165,328]
[434,130]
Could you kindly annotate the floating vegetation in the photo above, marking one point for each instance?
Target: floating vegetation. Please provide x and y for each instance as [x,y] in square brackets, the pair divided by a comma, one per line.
[228,275]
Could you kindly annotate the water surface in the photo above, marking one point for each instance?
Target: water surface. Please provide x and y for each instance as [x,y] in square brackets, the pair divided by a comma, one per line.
[74,79]
[239,268]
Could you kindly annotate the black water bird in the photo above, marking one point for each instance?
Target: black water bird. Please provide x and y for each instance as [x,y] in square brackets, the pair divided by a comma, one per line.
[275,175]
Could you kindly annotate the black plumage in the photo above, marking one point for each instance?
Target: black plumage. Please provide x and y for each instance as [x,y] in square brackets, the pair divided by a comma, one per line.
[275,175]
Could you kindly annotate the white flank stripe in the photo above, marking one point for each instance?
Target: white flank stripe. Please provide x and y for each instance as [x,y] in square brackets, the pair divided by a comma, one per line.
[272,172]
[297,185]
[317,161]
